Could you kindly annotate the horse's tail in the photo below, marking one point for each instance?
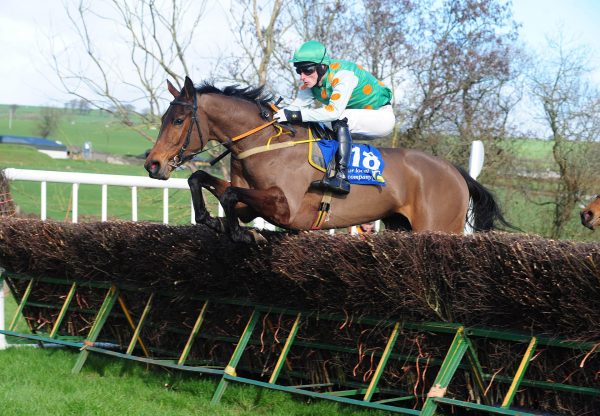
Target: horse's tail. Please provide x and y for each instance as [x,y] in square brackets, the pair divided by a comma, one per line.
[485,210]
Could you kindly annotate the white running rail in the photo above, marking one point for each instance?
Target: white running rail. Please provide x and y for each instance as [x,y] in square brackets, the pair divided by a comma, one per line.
[104,180]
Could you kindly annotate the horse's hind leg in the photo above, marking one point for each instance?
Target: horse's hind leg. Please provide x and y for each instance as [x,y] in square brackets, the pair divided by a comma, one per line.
[270,203]
[215,186]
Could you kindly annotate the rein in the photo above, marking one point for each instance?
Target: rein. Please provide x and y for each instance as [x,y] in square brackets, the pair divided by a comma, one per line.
[179,158]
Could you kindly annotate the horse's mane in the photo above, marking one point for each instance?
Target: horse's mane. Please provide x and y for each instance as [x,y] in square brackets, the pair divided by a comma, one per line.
[254,94]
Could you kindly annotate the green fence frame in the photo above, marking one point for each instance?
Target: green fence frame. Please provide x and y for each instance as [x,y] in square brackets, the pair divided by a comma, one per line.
[461,353]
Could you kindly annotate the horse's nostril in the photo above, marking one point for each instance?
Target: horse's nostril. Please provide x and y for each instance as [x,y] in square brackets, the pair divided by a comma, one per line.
[153,166]
[586,215]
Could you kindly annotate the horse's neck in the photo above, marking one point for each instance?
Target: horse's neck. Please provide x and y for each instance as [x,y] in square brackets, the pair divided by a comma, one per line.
[231,118]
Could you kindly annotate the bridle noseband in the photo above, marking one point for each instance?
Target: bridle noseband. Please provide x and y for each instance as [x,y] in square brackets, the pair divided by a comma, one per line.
[179,159]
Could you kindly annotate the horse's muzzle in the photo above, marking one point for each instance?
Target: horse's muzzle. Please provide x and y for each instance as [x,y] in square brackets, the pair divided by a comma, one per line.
[587,217]
[154,169]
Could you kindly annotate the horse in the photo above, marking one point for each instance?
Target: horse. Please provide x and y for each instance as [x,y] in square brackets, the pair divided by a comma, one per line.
[271,176]
[590,214]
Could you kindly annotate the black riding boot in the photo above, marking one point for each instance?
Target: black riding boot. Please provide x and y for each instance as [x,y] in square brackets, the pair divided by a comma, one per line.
[339,183]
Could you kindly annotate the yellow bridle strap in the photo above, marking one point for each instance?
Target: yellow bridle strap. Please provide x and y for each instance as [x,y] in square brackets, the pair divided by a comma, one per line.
[268,147]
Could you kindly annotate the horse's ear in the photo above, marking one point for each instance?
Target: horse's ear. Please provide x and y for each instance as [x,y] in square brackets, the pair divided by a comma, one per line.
[172,89]
[188,88]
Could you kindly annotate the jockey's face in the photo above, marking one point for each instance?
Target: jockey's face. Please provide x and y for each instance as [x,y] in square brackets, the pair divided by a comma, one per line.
[308,76]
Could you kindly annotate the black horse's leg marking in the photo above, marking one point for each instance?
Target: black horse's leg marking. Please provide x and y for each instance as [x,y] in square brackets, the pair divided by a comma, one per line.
[271,203]
[198,180]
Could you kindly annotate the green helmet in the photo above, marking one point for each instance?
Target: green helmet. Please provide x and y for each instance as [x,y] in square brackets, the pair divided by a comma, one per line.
[311,51]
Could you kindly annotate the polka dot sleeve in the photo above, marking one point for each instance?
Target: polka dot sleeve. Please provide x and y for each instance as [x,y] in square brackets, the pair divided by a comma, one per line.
[343,84]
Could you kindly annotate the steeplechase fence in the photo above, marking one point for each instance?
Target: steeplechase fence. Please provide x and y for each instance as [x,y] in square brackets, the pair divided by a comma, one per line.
[412,324]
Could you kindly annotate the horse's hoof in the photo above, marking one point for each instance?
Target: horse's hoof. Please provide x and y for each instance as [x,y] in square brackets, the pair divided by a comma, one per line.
[258,237]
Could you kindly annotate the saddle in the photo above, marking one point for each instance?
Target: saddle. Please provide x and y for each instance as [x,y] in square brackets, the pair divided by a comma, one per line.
[366,163]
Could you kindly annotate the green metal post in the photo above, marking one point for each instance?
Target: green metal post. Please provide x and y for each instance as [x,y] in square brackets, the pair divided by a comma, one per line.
[103,313]
[285,350]
[195,329]
[512,390]
[382,362]
[448,368]
[13,323]
[476,370]
[235,357]
[131,323]
[138,328]
[63,310]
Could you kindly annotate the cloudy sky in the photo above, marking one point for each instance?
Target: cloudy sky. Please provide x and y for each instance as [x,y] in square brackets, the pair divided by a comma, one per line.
[28,28]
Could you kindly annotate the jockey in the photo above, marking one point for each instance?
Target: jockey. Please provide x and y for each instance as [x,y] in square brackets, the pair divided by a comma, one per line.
[354,101]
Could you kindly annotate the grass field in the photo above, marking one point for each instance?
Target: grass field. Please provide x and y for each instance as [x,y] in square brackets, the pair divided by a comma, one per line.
[100,128]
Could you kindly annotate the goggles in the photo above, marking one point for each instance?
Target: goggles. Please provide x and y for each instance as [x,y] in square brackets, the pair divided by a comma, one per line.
[306,70]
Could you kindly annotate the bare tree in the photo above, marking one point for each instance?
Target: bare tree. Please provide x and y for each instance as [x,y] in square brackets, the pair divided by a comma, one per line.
[463,65]
[258,28]
[571,109]
[49,121]
[157,35]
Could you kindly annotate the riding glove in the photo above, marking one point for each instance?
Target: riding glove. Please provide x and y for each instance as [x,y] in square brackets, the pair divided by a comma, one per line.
[291,116]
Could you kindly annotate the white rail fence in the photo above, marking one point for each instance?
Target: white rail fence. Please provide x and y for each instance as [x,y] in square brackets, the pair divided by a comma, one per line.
[103,180]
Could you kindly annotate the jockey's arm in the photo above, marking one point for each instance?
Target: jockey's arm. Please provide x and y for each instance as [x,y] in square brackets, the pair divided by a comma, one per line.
[340,95]
[304,99]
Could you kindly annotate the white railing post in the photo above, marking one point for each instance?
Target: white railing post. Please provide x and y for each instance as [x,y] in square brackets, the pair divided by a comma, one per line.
[45,176]
[104,215]
[475,166]
[166,206]
[193,215]
[43,201]
[75,203]
[134,207]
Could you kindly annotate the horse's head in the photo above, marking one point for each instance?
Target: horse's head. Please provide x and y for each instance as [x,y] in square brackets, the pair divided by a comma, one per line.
[179,137]
[590,214]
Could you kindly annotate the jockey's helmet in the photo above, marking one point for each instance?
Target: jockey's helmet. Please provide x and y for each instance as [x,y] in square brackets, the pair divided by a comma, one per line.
[310,53]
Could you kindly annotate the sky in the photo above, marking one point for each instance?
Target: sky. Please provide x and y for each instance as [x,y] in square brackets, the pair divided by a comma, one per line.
[27,26]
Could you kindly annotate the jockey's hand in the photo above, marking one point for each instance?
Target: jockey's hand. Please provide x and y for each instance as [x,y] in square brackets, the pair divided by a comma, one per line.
[290,116]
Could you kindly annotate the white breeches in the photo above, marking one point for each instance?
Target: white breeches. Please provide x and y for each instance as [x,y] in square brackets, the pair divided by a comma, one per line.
[370,123]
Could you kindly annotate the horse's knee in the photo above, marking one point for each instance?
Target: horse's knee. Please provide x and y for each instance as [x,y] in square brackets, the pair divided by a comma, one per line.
[228,198]
[197,178]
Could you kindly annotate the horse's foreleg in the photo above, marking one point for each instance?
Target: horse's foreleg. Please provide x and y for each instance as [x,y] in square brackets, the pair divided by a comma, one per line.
[270,203]
[215,186]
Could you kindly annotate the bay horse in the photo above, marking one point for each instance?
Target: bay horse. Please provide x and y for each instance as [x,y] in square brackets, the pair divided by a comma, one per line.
[422,192]
[590,214]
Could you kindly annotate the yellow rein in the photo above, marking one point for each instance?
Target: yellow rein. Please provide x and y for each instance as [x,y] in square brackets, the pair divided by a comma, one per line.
[268,147]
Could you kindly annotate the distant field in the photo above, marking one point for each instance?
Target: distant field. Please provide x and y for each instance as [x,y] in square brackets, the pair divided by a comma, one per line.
[100,128]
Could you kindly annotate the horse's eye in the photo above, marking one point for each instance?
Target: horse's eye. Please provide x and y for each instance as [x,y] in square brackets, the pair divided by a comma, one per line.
[178,121]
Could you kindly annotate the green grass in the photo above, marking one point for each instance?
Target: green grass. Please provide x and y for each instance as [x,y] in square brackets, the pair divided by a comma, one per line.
[100,128]
[37,381]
